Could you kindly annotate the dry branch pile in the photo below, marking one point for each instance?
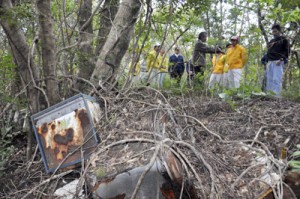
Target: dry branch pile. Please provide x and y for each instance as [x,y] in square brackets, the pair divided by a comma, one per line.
[225,153]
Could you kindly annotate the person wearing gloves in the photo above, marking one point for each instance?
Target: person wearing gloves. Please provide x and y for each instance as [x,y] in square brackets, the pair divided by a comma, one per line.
[236,57]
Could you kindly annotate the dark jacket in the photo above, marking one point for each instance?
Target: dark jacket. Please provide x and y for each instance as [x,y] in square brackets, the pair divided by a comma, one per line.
[200,50]
[176,62]
[264,60]
[278,48]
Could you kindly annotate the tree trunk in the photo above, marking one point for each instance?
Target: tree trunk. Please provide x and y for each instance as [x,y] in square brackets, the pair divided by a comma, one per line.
[20,50]
[235,19]
[261,26]
[107,16]
[117,42]
[221,19]
[86,63]
[207,24]
[24,62]
[48,45]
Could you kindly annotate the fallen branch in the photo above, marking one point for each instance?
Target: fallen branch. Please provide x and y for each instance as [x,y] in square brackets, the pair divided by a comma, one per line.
[47,181]
[210,169]
[203,126]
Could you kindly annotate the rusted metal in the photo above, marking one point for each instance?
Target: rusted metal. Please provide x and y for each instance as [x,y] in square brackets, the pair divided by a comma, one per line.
[65,128]
[173,168]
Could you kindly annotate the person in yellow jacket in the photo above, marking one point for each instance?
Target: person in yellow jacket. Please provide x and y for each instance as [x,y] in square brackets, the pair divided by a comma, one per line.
[218,62]
[236,57]
[152,63]
[225,69]
[163,67]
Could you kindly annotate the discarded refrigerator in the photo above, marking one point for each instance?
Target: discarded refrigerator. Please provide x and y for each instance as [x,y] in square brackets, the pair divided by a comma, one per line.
[66,132]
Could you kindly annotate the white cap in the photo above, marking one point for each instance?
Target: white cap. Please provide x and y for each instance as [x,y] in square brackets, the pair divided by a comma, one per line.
[234,38]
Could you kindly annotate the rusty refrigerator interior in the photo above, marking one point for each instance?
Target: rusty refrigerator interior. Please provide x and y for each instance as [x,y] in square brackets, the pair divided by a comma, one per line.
[66,132]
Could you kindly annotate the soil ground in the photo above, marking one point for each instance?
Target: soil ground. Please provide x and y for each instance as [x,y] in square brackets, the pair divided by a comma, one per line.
[219,145]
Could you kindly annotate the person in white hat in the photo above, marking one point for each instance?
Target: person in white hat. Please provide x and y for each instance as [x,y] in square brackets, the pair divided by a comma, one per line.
[236,57]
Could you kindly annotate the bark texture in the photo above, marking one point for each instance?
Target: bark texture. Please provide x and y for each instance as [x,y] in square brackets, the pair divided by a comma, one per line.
[260,24]
[107,16]
[117,42]
[86,63]
[20,50]
[48,46]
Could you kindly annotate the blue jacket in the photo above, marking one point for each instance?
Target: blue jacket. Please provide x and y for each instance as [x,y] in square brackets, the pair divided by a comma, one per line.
[176,62]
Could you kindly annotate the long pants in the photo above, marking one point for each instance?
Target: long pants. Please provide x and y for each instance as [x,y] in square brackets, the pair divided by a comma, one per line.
[234,78]
[224,80]
[135,79]
[161,79]
[215,79]
[176,72]
[153,79]
[274,72]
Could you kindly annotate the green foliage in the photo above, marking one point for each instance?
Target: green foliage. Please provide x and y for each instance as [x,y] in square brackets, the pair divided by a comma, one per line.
[7,74]
[6,147]
[21,14]
[70,8]
[293,91]
[24,11]
[289,5]
[295,162]
[6,150]
[289,16]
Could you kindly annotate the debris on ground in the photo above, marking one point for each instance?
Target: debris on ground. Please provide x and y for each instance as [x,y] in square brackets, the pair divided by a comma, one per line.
[70,191]
[224,151]
[62,129]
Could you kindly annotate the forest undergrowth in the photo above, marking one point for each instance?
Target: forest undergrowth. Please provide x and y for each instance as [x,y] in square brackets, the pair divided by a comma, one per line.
[226,152]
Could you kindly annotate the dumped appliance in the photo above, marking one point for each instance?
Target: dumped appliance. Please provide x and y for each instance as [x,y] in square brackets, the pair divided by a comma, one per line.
[66,131]
[162,180]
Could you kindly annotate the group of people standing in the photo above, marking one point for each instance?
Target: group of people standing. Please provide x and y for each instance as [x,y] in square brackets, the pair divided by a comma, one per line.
[227,65]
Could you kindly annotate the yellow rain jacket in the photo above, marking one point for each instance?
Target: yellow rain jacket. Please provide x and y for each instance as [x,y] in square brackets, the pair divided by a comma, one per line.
[236,57]
[163,63]
[218,62]
[150,60]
